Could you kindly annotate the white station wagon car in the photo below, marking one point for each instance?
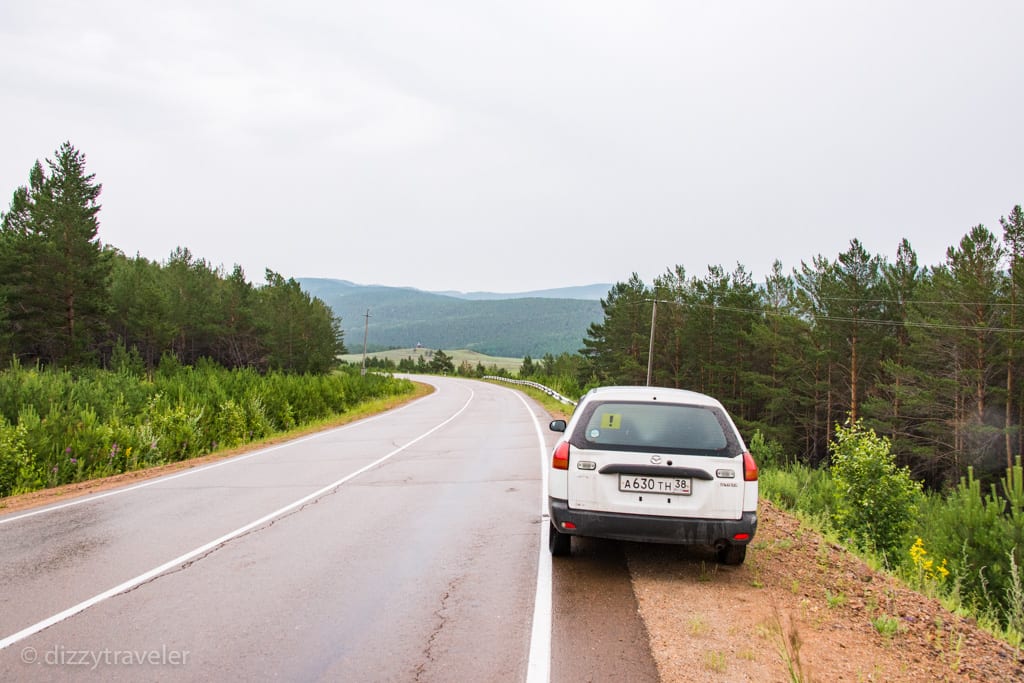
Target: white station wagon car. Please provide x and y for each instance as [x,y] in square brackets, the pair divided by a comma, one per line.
[656,465]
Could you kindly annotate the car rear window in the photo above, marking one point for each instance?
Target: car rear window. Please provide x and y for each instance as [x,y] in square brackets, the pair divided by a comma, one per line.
[656,427]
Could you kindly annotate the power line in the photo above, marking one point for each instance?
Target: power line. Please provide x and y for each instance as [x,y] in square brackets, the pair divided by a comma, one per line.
[840,319]
[917,301]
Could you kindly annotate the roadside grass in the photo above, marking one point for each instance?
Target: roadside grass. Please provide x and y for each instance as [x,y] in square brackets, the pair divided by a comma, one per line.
[58,493]
[698,626]
[787,642]
[834,600]
[716,661]
[951,600]
[886,625]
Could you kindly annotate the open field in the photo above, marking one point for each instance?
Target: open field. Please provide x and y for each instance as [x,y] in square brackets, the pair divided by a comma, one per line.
[458,356]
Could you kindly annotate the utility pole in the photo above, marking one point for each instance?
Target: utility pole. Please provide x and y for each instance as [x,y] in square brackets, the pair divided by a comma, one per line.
[366,333]
[650,350]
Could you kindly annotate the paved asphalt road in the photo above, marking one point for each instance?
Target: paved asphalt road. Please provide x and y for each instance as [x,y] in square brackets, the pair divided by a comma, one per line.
[405,547]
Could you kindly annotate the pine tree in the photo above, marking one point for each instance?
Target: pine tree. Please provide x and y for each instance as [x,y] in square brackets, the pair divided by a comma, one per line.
[780,342]
[616,349]
[675,363]
[858,279]
[816,293]
[899,286]
[964,309]
[239,343]
[302,334]
[141,300]
[441,363]
[55,270]
[1013,238]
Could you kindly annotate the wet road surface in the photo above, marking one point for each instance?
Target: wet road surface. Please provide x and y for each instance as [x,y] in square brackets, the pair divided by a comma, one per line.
[400,548]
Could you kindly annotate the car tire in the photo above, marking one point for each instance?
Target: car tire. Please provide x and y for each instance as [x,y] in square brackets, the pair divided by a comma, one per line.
[559,544]
[732,554]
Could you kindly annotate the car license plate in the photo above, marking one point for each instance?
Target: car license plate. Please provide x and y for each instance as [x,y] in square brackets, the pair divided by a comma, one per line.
[632,483]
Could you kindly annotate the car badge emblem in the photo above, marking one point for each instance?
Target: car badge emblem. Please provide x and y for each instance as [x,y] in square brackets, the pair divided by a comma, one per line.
[655,459]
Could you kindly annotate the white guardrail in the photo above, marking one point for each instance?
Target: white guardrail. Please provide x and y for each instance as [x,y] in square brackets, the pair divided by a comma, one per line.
[539,387]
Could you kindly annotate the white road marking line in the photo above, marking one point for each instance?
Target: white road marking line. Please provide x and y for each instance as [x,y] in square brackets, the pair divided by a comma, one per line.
[182,559]
[197,470]
[538,668]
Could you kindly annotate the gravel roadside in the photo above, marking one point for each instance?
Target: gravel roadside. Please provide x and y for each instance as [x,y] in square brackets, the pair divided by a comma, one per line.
[801,609]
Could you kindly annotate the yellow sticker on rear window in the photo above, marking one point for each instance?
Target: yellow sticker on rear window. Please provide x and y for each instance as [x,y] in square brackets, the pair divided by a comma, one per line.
[611,421]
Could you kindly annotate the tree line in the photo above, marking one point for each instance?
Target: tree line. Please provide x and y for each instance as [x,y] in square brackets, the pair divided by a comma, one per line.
[931,357]
[68,300]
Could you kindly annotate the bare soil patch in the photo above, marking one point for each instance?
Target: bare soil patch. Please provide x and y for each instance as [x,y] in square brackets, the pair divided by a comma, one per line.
[801,609]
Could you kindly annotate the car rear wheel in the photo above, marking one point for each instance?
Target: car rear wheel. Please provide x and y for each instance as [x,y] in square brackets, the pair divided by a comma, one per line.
[558,543]
[732,554]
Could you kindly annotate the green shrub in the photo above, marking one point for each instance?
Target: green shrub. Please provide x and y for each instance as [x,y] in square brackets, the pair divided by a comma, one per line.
[58,427]
[875,501]
[980,534]
[257,423]
[17,471]
[768,454]
[229,425]
[176,427]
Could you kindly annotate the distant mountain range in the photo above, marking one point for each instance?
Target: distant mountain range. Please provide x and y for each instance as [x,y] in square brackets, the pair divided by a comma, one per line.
[531,324]
[587,292]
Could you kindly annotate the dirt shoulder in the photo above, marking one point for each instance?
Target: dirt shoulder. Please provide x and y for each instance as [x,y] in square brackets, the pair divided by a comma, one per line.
[801,606]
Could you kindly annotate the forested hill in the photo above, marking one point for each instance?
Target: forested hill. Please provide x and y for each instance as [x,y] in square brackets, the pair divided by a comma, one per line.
[403,317]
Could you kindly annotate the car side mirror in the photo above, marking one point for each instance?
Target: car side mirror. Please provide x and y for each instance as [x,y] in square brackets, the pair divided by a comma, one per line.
[557,425]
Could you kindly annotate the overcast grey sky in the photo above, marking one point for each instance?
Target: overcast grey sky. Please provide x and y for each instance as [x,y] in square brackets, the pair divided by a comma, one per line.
[513,146]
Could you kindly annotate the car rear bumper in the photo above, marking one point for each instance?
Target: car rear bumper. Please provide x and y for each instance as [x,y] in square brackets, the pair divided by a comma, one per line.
[651,529]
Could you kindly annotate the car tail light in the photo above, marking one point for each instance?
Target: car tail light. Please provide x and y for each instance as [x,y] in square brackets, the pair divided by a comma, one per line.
[560,459]
[741,537]
[749,468]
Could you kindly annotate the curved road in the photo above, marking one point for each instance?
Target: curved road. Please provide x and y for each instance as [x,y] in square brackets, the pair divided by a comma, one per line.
[404,547]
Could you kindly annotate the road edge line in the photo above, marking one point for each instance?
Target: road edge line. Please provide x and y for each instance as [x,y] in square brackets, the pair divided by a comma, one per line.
[538,668]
